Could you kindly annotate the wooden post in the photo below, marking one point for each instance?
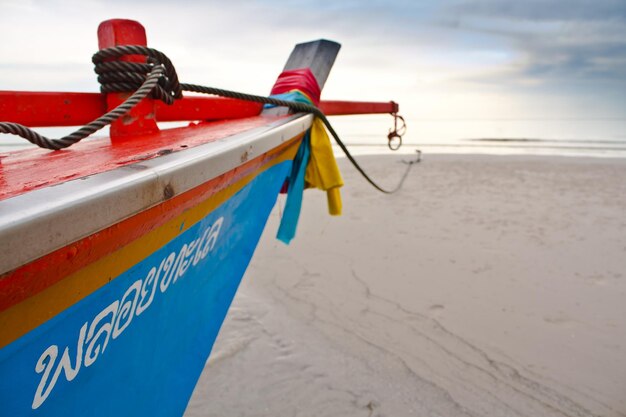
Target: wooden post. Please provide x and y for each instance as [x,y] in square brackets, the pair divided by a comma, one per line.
[141,119]
[319,56]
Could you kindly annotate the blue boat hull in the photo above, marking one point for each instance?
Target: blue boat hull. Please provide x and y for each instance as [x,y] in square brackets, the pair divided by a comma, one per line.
[137,345]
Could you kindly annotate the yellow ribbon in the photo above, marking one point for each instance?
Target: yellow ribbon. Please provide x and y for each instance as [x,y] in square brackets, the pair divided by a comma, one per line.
[322,171]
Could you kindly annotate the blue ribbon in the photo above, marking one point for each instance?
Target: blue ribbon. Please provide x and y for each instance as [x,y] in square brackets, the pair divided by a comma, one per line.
[295,96]
[295,188]
[295,192]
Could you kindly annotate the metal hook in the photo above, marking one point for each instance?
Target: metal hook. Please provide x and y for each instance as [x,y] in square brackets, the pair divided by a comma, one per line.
[395,136]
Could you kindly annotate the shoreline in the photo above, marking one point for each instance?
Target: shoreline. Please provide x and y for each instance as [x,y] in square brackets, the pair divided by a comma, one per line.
[485,150]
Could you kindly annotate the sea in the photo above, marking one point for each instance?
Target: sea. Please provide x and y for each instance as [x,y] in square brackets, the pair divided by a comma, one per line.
[368,135]
[565,137]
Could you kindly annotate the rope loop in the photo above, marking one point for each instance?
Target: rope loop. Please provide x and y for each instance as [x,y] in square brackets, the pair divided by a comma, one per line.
[123,76]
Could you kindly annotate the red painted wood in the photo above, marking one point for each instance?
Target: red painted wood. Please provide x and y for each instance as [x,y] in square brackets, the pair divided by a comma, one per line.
[206,108]
[27,170]
[141,118]
[74,109]
[35,109]
[338,108]
[50,109]
[116,32]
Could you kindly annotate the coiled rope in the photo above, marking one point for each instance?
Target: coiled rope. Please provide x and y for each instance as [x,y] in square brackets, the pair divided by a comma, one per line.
[157,77]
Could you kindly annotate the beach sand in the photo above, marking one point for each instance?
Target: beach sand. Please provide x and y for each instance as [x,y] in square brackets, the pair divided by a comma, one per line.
[488,286]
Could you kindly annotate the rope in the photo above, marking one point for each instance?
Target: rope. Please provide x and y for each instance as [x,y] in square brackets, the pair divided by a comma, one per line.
[158,78]
[55,144]
[302,108]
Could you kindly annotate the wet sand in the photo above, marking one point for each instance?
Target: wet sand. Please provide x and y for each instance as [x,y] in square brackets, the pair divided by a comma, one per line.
[488,286]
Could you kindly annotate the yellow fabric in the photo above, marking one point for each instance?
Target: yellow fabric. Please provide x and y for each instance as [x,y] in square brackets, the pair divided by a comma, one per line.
[322,171]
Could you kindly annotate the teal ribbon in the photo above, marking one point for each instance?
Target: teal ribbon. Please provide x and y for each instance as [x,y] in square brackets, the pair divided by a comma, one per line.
[295,96]
[295,192]
[295,187]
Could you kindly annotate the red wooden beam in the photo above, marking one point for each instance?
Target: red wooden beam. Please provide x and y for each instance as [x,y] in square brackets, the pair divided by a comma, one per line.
[338,108]
[74,109]
[50,109]
[205,108]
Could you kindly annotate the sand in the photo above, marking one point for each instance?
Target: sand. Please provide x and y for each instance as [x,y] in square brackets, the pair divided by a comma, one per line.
[488,286]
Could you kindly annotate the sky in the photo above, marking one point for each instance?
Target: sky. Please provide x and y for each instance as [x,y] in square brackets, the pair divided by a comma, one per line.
[449,59]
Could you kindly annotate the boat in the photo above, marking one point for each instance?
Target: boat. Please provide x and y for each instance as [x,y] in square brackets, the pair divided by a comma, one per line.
[119,258]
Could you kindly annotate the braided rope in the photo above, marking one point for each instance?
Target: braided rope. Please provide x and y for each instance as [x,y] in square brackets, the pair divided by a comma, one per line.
[302,108]
[122,76]
[158,77]
[55,144]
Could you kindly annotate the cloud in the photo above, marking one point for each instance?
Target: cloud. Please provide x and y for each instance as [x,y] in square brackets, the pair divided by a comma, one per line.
[412,51]
[542,10]
[560,40]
